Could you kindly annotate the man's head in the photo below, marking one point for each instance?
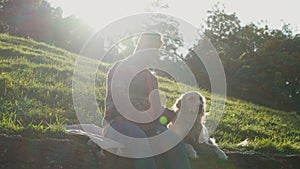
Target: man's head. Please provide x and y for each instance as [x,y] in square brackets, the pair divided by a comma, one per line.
[148,40]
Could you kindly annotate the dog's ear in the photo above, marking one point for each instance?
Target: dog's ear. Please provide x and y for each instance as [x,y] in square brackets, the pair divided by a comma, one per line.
[202,103]
[177,105]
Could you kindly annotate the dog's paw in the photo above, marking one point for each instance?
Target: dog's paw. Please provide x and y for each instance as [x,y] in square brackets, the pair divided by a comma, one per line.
[191,151]
[222,155]
[195,156]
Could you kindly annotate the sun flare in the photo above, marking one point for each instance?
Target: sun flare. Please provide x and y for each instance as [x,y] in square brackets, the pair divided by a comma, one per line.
[99,13]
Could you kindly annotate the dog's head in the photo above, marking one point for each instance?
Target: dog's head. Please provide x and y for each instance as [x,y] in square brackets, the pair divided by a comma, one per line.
[190,102]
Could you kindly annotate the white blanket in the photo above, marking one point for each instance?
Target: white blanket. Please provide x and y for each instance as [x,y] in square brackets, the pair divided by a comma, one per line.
[95,133]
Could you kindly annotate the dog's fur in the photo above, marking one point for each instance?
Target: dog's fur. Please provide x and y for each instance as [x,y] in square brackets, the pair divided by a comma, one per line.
[198,137]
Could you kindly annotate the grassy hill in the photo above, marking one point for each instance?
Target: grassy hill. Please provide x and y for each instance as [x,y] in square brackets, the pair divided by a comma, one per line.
[36,83]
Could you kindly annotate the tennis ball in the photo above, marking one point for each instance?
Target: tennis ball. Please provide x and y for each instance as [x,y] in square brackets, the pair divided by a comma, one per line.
[163,120]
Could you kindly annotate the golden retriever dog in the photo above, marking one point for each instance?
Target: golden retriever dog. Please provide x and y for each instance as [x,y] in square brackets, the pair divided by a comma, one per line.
[198,137]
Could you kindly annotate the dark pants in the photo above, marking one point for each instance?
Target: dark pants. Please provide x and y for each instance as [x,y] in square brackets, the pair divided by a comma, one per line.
[175,158]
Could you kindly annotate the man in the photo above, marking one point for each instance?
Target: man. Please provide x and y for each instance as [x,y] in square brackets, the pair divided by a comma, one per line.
[145,99]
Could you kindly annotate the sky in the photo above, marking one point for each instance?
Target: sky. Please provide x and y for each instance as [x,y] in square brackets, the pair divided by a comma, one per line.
[99,13]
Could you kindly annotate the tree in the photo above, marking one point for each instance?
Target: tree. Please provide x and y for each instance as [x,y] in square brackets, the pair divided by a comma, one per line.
[261,64]
[37,19]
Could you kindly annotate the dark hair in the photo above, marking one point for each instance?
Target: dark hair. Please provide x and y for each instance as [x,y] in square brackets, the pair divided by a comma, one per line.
[149,38]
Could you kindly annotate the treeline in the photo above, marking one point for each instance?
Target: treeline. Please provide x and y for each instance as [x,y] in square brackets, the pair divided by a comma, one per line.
[262,65]
[38,20]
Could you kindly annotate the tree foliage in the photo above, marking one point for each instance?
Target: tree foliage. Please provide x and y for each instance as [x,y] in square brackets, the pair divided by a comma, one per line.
[38,20]
[262,65]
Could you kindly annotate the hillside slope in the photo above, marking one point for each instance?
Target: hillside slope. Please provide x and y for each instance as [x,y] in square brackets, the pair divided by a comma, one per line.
[36,83]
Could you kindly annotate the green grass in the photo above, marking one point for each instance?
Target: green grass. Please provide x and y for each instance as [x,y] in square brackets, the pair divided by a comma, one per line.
[36,83]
